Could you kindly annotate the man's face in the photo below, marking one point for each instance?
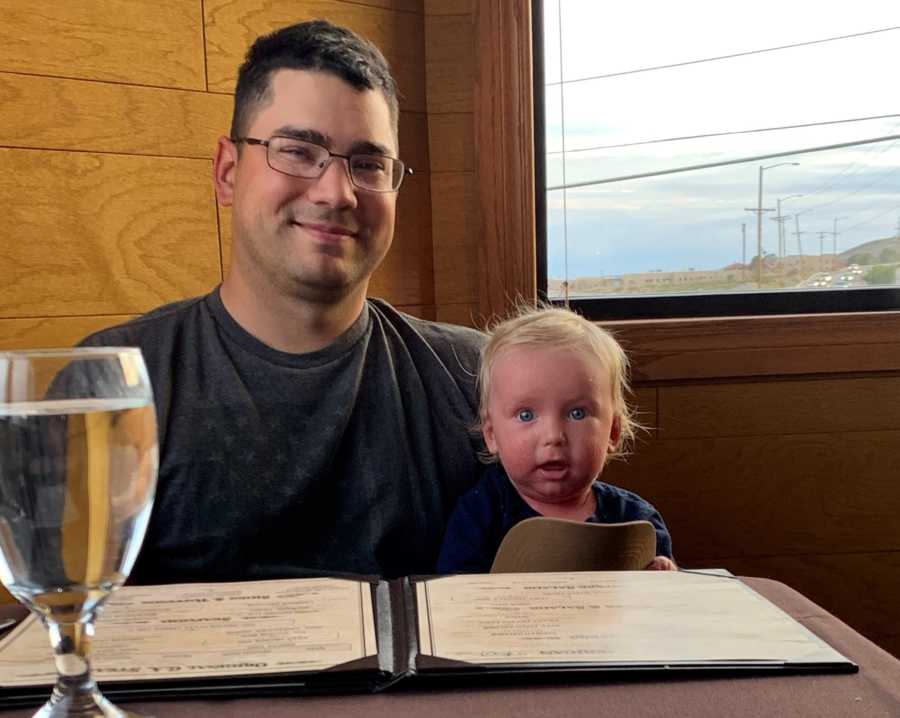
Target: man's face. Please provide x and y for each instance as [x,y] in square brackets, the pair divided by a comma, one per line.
[316,239]
[550,419]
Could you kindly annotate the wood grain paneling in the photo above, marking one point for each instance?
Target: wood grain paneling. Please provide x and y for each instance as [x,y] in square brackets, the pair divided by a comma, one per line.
[451,143]
[463,314]
[53,113]
[450,7]
[231,27]
[143,42]
[677,349]
[780,407]
[450,63]
[414,6]
[406,275]
[455,241]
[51,332]
[504,150]
[414,149]
[103,234]
[772,495]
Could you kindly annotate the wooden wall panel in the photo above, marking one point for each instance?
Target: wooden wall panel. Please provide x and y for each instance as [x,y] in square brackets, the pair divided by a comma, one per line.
[451,143]
[771,495]
[53,331]
[450,7]
[232,26]
[682,350]
[450,63]
[455,238]
[141,42]
[845,405]
[406,276]
[103,234]
[53,113]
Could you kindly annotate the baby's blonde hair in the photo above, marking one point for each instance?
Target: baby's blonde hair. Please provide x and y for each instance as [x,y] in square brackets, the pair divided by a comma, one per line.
[556,328]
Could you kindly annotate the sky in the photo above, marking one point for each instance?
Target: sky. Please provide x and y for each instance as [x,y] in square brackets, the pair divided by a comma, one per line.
[698,219]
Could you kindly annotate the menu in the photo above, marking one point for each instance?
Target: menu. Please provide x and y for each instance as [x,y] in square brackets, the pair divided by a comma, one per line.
[338,634]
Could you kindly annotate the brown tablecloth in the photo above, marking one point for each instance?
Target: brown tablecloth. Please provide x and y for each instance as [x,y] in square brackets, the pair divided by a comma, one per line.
[874,692]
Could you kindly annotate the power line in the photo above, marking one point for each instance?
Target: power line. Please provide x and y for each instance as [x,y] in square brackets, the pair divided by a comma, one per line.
[723,163]
[880,178]
[871,219]
[722,57]
[722,134]
[859,166]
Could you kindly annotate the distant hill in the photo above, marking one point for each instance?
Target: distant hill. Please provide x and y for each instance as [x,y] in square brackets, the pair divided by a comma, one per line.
[873,249]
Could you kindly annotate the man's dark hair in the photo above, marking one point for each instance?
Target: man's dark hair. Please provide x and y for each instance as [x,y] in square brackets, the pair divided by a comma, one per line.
[314,45]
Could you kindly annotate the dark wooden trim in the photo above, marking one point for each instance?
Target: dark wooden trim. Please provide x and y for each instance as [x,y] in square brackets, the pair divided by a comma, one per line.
[674,350]
[504,146]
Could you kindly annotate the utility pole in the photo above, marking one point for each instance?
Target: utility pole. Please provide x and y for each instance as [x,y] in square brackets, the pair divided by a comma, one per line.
[744,249]
[834,235]
[759,213]
[797,234]
[822,249]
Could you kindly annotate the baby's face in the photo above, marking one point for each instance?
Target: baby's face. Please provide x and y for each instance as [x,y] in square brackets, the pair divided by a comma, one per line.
[550,419]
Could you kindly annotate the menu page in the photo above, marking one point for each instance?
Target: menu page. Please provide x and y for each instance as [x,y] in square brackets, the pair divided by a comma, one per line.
[203,630]
[623,617]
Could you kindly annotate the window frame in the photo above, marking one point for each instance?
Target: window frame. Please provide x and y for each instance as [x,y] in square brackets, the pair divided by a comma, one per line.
[669,305]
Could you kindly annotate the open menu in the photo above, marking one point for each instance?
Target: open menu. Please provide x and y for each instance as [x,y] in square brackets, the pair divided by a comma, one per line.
[314,635]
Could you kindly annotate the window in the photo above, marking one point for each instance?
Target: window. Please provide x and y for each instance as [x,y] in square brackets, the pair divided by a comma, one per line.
[697,159]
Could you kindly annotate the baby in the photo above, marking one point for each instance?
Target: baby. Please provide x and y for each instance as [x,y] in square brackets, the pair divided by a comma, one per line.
[552,412]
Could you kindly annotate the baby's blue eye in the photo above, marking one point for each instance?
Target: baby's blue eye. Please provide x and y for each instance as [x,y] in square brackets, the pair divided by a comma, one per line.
[525,415]
[577,414]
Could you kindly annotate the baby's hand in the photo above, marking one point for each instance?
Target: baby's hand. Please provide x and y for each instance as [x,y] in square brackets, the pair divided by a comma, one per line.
[661,563]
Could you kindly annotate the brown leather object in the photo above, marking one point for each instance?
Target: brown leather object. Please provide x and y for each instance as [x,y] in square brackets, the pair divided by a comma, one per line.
[548,544]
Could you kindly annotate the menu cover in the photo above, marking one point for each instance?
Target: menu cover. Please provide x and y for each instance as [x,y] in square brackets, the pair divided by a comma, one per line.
[315,635]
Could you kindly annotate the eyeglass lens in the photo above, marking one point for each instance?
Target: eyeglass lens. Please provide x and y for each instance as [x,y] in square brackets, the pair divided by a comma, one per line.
[308,160]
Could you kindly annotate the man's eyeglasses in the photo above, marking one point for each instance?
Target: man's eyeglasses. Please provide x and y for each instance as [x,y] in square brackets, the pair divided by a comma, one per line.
[299,158]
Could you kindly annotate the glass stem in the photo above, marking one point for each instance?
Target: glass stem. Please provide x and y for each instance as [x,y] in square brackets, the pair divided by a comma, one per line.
[71,650]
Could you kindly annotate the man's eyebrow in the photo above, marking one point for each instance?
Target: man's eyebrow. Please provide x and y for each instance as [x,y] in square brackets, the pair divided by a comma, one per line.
[360,147]
[366,147]
[299,133]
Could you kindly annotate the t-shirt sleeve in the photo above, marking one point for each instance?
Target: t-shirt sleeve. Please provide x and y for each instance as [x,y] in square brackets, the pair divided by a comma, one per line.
[619,505]
[469,543]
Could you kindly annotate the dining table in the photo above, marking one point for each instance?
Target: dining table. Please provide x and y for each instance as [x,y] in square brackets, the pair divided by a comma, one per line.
[871,692]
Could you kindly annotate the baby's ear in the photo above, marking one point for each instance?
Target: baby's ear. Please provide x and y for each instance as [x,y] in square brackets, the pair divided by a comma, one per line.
[615,433]
[487,430]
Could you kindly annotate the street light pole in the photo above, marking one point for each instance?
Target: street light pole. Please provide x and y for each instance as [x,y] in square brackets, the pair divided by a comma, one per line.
[759,212]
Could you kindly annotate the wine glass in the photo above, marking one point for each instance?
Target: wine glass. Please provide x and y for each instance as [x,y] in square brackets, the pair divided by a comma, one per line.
[78,460]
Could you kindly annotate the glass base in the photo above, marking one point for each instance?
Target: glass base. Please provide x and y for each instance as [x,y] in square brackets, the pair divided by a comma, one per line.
[82,705]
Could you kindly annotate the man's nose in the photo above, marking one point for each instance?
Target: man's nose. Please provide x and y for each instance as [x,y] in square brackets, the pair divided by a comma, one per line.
[334,187]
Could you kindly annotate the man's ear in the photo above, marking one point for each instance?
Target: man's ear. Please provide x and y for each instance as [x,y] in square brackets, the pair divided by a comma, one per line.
[487,431]
[224,168]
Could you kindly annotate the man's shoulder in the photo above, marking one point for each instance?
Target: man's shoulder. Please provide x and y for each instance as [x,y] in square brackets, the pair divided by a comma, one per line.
[436,331]
[163,320]
[453,343]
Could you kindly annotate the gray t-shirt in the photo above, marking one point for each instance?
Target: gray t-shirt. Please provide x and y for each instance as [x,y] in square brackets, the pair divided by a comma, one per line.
[347,459]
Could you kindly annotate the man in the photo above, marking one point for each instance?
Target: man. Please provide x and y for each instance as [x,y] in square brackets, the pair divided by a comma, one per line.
[304,428]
